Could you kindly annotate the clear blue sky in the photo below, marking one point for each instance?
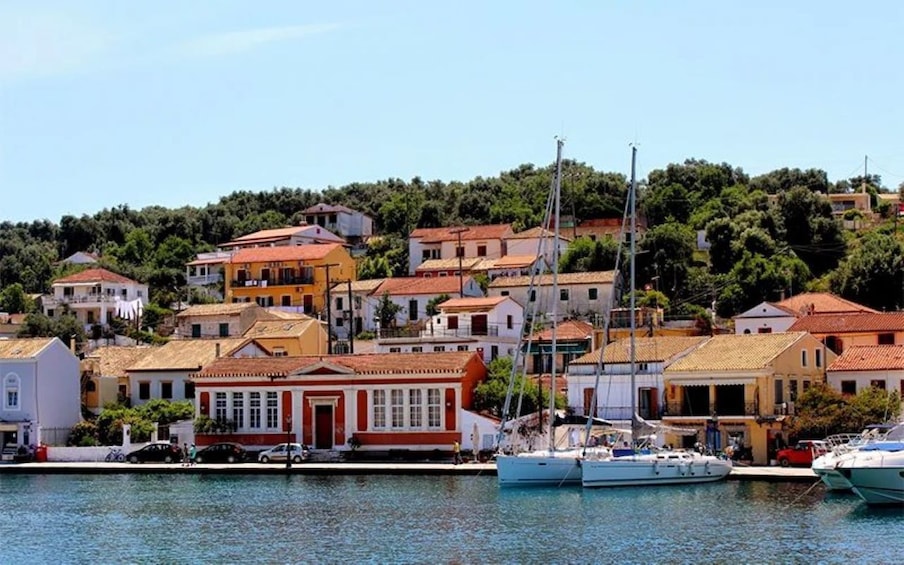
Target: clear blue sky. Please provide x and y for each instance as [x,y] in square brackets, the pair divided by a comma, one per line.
[175,103]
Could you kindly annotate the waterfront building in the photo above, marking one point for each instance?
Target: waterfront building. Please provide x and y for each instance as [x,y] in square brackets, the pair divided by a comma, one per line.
[40,388]
[406,402]
[742,387]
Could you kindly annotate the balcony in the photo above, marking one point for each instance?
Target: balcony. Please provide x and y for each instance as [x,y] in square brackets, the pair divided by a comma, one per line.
[204,280]
[53,301]
[464,331]
[682,410]
[265,283]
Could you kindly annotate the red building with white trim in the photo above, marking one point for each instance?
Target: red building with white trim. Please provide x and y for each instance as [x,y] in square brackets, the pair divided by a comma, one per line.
[404,401]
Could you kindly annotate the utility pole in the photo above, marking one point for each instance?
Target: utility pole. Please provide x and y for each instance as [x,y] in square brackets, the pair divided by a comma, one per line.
[460,251]
[351,319]
[329,333]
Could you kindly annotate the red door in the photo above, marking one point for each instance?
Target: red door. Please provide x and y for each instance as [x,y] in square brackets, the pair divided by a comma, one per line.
[323,426]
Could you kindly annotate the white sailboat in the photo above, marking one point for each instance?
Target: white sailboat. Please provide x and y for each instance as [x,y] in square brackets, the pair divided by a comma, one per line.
[551,466]
[647,467]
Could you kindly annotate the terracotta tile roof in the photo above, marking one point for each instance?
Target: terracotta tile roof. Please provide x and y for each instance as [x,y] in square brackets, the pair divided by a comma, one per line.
[539,232]
[307,252]
[564,279]
[421,285]
[114,360]
[209,261]
[227,309]
[646,350]
[286,232]
[364,363]
[94,276]
[569,330]
[507,262]
[467,263]
[323,208]
[730,352]
[437,235]
[476,304]
[821,303]
[284,315]
[870,358]
[367,286]
[185,354]
[23,348]
[280,328]
[850,323]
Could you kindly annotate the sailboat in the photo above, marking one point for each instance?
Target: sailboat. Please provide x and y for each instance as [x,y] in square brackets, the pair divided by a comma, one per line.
[647,467]
[551,466]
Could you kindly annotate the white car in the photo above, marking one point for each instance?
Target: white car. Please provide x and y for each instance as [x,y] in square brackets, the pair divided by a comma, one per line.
[296,451]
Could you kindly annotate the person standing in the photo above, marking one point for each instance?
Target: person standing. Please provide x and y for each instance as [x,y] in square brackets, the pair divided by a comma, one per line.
[185,458]
[456,452]
[192,452]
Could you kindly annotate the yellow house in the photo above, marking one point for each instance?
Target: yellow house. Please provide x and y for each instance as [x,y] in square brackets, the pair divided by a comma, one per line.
[290,338]
[290,276]
[742,388]
[104,377]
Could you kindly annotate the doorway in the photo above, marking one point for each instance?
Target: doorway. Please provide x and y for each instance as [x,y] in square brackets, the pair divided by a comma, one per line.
[323,426]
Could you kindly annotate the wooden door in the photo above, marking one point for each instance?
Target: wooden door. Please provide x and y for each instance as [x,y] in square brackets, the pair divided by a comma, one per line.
[323,426]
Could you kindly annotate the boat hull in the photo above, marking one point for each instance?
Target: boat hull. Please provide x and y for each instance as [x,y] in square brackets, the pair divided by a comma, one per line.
[560,469]
[832,479]
[652,470]
[877,476]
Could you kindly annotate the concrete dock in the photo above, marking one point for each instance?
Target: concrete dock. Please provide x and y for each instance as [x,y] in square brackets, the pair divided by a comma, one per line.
[770,474]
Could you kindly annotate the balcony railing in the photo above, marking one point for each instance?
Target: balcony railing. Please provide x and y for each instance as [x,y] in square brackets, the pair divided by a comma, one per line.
[464,331]
[81,299]
[203,280]
[389,333]
[280,281]
[679,409]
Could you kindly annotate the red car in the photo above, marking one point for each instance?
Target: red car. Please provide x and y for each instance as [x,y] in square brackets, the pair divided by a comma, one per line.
[802,454]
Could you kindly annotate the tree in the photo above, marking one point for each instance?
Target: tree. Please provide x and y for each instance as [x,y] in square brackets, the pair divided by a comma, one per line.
[822,411]
[668,252]
[873,273]
[490,395]
[14,300]
[585,255]
[810,230]
[374,268]
[432,308]
[386,311]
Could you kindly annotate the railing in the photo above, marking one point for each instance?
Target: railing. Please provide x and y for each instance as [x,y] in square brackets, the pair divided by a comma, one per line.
[464,331]
[388,333]
[81,299]
[680,409]
[201,280]
[279,281]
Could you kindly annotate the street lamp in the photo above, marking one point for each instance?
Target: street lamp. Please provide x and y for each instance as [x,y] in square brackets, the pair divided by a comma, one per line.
[288,441]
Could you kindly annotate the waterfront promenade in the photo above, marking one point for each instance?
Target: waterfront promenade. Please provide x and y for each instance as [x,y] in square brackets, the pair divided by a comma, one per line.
[771,474]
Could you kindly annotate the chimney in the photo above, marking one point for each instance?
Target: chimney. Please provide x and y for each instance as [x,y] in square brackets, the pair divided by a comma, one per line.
[218,350]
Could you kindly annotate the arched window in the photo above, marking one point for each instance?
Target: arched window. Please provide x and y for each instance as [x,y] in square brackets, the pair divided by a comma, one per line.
[11,386]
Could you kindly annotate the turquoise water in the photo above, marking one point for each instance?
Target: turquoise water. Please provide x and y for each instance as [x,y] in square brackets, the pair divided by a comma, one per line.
[380,519]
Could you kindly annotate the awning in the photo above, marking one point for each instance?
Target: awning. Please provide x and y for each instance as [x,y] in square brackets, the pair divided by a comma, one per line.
[9,427]
[712,381]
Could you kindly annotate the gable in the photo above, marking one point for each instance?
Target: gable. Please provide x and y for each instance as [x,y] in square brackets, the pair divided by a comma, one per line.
[766,310]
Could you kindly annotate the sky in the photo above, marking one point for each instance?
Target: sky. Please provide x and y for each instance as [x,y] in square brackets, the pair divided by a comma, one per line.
[104,103]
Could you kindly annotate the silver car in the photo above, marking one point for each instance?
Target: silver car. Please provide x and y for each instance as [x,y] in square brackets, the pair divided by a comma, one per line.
[296,451]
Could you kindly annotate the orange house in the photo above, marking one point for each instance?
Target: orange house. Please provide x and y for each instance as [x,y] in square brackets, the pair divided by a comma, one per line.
[288,276]
[399,401]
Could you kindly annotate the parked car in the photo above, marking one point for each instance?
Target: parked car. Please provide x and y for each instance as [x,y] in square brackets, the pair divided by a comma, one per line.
[802,454]
[223,452]
[297,452]
[159,452]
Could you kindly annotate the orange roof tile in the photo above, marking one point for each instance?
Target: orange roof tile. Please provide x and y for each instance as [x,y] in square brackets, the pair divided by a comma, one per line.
[870,358]
[188,354]
[23,348]
[365,363]
[437,235]
[569,330]
[821,303]
[94,276]
[840,323]
[507,262]
[307,252]
[467,263]
[223,309]
[421,285]
[115,359]
[482,303]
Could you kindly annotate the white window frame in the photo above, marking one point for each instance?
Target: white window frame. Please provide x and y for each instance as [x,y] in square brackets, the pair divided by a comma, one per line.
[415,408]
[238,410]
[220,407]
[397,409]
[254,410]
[379,409]
[272,400]
[12,398]
[434,408]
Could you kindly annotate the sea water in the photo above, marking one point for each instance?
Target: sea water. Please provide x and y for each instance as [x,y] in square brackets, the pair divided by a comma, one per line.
[395,519]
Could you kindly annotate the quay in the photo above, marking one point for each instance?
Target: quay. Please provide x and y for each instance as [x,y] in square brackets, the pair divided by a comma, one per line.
[769,474]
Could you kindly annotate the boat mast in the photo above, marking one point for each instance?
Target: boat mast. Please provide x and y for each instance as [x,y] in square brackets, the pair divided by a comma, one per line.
[557,208]
[633,255]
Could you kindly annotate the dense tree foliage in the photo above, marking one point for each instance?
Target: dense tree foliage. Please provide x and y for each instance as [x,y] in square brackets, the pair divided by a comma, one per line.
[490,395]
[770,235]
[822,411]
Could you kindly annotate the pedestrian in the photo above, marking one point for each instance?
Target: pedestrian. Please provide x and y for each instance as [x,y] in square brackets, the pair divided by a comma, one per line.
[185,459]
[456,452]
[192,452]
